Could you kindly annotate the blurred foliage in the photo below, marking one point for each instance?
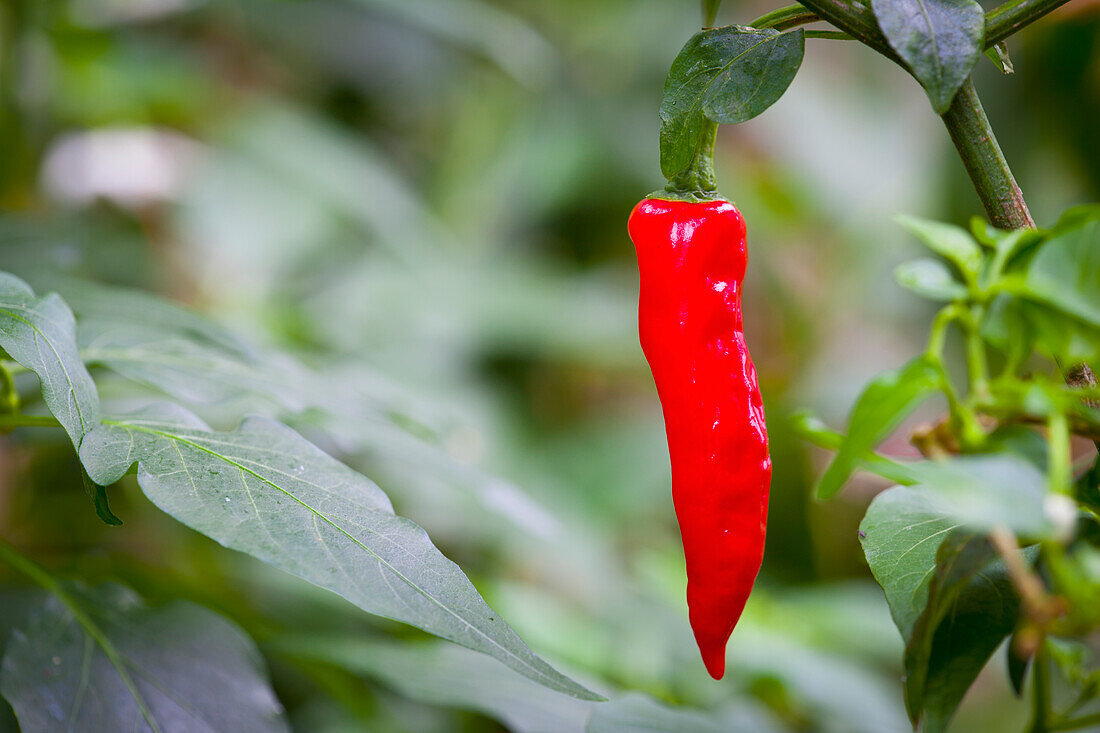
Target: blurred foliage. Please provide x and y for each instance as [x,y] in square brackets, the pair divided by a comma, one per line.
[416,208]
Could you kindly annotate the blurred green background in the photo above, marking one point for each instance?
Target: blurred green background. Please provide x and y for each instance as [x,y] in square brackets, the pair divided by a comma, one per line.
[429,197]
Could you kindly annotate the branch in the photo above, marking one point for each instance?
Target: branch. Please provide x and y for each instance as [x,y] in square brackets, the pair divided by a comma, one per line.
[985,163]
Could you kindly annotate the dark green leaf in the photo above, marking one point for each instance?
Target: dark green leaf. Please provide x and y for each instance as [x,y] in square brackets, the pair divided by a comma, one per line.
[108,663]
[940,41]
[40,334]
[1018,664]
[947,593]
[948,241]
[879,410]
[972,607]
[728,75]
[265,490]
[929,278]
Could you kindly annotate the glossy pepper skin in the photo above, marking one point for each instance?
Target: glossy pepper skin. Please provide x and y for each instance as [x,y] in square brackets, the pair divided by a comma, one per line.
[692,258]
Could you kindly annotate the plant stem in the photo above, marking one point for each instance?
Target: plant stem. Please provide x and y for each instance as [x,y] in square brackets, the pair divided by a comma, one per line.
[858,20]
[7,422]
[1040,691]
[697,182]
[985,163]
[1004,20]
[784,18]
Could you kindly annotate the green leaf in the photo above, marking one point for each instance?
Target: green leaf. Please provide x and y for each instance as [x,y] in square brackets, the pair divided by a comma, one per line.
[882,406]
[447,675]
[946,240]
[986,491]
[728,75]
[901,533]
[929,278]
[265,490]
[1065,273]
[108,663]
[972,606]
[1018,326]
[948,595]
[939,40]
[40,334]
[127,308]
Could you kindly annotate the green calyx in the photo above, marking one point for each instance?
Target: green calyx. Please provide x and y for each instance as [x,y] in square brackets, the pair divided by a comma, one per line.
[696,182]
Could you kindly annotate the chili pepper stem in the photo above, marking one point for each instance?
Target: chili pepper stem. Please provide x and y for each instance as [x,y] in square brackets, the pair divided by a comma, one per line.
[697,182]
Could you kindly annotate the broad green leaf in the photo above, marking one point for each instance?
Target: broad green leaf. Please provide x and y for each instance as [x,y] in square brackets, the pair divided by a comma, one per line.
[638,713]
[972,607]
[940,41]
[884,404]
[948,241]
[437,673]
[39,333]
[105,304]
[109,663]
[728,75]
[982,492]
[1065,273]
[264,490]
[949,597]
[929,278]
[188,368]
[901,533]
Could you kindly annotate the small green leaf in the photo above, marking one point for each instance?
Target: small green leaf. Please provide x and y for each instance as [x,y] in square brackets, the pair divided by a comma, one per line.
[930,279]
[885,402]
[103,661]
[948,241]
[728,75]
[940,41]
[998,54]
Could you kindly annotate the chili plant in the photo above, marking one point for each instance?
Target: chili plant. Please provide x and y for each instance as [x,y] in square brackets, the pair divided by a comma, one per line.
[994,536]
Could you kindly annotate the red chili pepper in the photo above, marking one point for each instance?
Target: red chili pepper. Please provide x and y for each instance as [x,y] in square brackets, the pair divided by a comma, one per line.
[692,258]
